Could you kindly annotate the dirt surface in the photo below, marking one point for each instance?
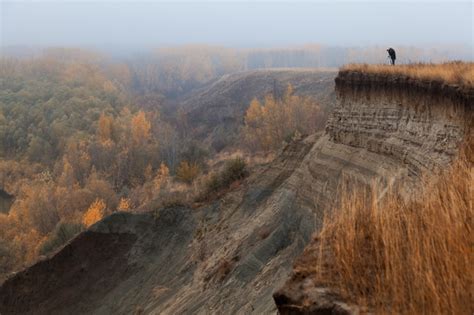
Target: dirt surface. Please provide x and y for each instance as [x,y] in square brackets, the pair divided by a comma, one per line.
[178,261]
[80,275]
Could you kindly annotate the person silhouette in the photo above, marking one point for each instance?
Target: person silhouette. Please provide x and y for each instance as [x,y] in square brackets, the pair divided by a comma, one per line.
[392,55]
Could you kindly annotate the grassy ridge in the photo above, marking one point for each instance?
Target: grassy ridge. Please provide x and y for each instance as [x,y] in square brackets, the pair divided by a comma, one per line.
[459,73]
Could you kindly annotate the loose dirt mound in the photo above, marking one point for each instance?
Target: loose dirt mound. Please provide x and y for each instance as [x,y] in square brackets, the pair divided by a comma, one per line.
[80,275]
[98,268]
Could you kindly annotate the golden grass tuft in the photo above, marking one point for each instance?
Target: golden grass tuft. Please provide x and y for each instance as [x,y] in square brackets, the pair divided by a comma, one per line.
[456,72]
[400,256]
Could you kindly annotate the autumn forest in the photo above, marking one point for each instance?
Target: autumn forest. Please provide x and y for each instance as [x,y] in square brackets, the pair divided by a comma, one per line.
[83,136]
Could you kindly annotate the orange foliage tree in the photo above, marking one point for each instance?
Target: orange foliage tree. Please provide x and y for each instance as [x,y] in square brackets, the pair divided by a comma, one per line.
[140,128]
[104,128]
[124,204]
[95,212]
[187,172]
[267,125]
[161,177]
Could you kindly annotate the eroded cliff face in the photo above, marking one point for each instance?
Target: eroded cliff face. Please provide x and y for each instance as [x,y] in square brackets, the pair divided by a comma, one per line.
[383,129]
[230,256]
[421,126]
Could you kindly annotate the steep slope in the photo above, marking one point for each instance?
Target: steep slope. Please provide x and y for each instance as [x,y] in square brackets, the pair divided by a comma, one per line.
[228,257]
[178,261]
[403,128]
[216,111]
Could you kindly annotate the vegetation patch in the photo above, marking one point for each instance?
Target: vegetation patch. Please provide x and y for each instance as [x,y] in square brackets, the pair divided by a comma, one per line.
[6,200]
[234,170]
[276,120]
[188,172]
[60,236]
[459,73]
[397,256]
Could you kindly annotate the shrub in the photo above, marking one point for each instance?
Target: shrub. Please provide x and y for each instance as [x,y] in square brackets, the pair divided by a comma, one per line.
[95,212]
[7,258]
[124,204]
[234,170]
[214,183]
[175,199]
[195,154]
[187,172]
[224,268]
[60,236]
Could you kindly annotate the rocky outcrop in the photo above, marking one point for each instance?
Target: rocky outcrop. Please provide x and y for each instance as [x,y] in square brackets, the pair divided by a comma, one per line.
[305,297]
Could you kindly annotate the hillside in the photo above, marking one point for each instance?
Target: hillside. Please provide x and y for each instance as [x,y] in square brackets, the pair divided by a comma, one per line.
[231,255]
[180,260]
[381,249]
[456,73]
[216,112]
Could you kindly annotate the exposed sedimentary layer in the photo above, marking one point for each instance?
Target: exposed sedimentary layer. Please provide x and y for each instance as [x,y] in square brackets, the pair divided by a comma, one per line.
[391,129]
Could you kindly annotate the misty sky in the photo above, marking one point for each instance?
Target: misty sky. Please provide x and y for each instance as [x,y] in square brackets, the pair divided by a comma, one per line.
[238,24]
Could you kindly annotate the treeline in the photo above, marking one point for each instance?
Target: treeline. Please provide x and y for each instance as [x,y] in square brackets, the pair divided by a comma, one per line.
[175,70]
[274,121]
[172,71]
[78,142]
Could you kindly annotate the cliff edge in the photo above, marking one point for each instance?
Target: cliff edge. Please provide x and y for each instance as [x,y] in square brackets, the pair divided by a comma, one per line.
[391,127]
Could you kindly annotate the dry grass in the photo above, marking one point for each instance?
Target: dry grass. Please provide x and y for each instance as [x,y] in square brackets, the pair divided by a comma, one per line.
[459,73]
[403,257]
